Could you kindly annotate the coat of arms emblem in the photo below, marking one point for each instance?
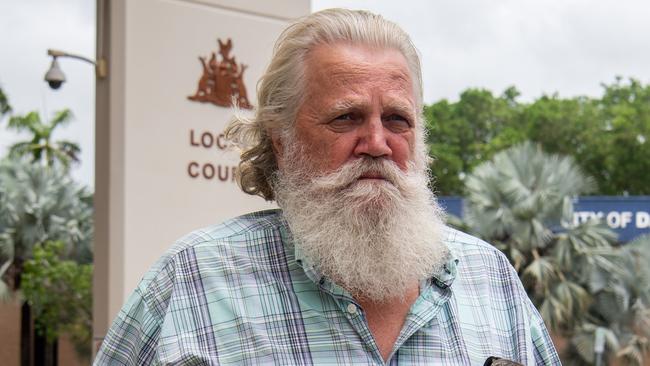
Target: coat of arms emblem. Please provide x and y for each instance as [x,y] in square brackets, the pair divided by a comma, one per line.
[222,80]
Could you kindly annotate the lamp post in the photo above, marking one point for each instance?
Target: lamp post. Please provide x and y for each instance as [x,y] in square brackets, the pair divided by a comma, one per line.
[55,77]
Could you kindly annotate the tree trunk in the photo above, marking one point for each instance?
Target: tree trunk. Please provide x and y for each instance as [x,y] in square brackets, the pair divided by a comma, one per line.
[55,352]
[25,335]
[25,317]
[45,354]
[39,350]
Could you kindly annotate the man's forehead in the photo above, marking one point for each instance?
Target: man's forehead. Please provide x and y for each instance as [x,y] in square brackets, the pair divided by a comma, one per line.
[352,69]
[346,101]
[343,61]
[341,71]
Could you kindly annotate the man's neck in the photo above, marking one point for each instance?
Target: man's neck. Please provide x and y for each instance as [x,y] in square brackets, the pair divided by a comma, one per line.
[386,319]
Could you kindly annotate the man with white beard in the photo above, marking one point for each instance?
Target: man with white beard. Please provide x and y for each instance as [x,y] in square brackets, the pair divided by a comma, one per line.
[356,267]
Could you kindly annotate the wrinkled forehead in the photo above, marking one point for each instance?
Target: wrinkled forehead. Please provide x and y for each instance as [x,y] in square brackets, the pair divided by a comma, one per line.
[347,74]
[345,67]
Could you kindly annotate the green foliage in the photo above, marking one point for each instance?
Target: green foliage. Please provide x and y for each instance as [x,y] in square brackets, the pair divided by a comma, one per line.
[39,204]
[5,107]
[580,281]
[60,294]
[465,133]
[625,151]
[40,146]
[606,136]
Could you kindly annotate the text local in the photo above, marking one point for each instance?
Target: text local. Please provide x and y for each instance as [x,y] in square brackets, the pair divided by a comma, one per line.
[210,171]
[208,140]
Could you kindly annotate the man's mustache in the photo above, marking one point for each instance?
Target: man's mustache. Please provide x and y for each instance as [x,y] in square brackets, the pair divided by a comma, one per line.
[361,168]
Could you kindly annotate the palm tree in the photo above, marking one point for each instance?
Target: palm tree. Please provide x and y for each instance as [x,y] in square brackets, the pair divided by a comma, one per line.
[582,283]
[39,204]
[41,147]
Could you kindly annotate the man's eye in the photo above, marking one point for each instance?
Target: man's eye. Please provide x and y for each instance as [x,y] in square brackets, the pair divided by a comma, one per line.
[345,117]
[343,122]
[397,122]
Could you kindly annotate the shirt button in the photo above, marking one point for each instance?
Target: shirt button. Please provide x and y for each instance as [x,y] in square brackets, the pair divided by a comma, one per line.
[352,309]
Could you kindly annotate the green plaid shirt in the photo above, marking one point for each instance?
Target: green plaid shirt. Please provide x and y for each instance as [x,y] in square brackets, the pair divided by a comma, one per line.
[240,293]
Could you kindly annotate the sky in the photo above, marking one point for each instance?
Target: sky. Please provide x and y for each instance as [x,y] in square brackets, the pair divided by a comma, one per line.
[28,29]
[567,47]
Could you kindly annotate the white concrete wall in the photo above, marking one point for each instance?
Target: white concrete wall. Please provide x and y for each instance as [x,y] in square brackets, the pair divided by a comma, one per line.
[146,198]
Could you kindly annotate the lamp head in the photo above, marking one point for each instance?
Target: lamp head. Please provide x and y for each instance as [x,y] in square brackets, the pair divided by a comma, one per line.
[54,76]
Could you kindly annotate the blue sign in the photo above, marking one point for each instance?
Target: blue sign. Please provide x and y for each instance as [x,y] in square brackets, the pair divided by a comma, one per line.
[452,205]
[628,216]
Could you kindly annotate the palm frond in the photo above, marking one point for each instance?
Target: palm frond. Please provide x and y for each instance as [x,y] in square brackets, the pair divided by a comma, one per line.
[583,343]
[7,250]
[60,156]
[574,297]
[24,149]
[61,118]
[640,319]
[69,148]
[540,274]
[5,291]
[29,122]
[633,353]
[554,313]
[612,302]
[517,257]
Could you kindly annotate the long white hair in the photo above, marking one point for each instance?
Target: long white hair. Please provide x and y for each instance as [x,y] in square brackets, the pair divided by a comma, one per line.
[281,88]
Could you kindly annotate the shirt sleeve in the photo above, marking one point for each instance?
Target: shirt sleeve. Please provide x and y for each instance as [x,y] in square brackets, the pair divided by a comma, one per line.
[133,336]
[540,348]
[544,350]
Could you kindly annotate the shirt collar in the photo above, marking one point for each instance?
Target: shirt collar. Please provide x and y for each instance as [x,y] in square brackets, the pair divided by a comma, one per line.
[446,276]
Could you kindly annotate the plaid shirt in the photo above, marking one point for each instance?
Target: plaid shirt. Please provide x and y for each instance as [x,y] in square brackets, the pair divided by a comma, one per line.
[240,293]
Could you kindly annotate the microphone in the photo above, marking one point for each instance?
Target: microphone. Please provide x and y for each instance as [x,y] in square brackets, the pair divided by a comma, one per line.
[497,361]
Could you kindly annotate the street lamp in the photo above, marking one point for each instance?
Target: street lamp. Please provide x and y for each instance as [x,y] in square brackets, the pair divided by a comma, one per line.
[55,77]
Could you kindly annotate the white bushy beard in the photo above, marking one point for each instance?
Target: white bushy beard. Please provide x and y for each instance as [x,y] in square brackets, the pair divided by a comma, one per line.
[375,238]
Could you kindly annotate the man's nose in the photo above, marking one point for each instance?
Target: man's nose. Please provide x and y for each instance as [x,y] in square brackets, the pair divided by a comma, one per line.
[373,139]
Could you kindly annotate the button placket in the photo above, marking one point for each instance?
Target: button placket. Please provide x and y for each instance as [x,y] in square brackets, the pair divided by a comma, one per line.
[352,309]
